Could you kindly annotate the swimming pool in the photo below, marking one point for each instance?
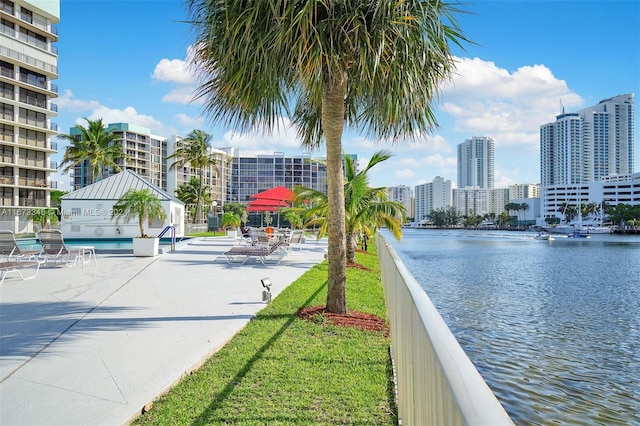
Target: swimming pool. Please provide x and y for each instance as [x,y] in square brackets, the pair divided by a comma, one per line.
[102,245]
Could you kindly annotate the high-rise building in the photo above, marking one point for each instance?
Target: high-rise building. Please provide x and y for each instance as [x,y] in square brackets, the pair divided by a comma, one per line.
[28,65]
[523,190]
[253,174]
[401,194]
[431,196]
[476,162]
[590,144]
[146,155]
[216,177]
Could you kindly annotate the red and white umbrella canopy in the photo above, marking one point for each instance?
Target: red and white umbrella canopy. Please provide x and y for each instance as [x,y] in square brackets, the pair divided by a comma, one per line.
[280,193]
[265,205]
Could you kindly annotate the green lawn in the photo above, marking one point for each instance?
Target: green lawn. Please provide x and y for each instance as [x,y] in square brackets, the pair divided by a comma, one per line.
[282,370]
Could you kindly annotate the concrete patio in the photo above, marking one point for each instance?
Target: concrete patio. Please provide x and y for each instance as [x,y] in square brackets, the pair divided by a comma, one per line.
[93,345]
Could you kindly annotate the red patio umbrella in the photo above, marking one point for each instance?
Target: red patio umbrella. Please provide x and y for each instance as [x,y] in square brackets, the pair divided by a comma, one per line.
[259,208]
[268,203]
[281,193]
[270,200]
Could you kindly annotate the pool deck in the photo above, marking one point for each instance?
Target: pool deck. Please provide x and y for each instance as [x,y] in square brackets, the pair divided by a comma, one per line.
[93,345]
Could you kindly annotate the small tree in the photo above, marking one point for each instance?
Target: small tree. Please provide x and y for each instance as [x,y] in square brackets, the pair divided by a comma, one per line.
[45,217]
[230,219]
[140,204]
[267,218]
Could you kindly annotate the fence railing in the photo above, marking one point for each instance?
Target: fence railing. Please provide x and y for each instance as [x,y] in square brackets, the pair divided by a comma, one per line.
[437,384]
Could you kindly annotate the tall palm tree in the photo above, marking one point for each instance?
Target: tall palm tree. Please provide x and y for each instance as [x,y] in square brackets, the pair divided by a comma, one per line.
[373,65]
[195,151]
[97,146]
[366,208]
[192,191]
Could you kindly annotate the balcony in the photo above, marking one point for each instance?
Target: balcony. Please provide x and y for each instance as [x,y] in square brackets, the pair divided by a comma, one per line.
[29,60]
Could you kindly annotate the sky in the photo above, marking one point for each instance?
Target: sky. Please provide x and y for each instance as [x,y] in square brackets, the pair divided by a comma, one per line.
[126,61]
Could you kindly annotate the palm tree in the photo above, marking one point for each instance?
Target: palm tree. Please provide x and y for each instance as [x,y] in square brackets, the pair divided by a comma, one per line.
[366,208]
[373,65]
[192,191]
[195,151]
[140,204]
[97,146]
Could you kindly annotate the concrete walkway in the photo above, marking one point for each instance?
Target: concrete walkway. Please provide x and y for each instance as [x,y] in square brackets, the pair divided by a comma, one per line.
[93,345]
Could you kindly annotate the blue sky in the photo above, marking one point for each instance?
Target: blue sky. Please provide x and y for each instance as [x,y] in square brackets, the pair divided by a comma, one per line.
[125,61]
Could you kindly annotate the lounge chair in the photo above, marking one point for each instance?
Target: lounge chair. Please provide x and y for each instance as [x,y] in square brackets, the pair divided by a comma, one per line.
[294,240]
[10,267]
[263,253]
[11,251]
[55,250]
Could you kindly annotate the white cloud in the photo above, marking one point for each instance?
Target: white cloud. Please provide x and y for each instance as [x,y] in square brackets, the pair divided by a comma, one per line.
[183,95]
[179,73]
[404,173]
[189,122]
[66,102]
[173,70]
[486,100]
[282,139]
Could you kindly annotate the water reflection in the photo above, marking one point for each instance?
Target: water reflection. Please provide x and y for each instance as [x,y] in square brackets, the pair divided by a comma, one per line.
[553,327]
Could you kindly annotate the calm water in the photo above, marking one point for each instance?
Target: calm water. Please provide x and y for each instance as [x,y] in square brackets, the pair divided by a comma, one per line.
[553,327]
[105,245]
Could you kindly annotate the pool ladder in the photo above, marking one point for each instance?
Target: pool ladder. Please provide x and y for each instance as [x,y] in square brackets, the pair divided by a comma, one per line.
[173,235]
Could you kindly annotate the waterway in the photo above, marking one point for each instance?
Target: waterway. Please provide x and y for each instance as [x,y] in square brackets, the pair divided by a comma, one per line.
[552,326]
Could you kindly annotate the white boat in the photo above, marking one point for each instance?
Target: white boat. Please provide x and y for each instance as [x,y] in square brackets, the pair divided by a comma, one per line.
[541,236]
[565,228]
[596,228]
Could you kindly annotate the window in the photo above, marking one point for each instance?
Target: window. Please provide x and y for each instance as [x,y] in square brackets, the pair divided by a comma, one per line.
[33,98]
[33,78]
[6,133]
[6,111]
[33,118]
[6,90]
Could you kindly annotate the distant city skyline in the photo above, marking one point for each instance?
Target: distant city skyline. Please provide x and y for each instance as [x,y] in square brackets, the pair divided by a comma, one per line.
[513,80]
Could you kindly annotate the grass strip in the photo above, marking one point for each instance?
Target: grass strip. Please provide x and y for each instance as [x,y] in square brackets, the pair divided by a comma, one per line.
[281,370]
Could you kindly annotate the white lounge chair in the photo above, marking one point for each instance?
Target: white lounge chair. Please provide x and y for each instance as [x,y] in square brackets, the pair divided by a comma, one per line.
[55,250]
[10,267]
[294,240]
[10,250]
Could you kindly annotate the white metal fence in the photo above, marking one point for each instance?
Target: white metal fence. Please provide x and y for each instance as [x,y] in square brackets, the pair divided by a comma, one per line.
[437,384]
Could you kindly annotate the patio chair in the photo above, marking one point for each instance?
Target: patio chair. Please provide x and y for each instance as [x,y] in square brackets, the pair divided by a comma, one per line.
[11,251]
[294,240]
[10,267]
[55,250]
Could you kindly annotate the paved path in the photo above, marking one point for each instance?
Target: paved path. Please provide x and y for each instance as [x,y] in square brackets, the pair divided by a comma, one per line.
[93,345]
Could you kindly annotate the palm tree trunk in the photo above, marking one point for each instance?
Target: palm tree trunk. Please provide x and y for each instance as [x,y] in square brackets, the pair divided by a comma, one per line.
[352,247]
[196,219]
[332,125]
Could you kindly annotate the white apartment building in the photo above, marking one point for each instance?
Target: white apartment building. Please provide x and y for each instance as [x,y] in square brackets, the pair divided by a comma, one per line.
[402,194]
[472,201]
[615,189]
[498,198]
[431,196]
[523,190]
[589,144]
[28,66]
[476,162]
[146,153]
[216,177]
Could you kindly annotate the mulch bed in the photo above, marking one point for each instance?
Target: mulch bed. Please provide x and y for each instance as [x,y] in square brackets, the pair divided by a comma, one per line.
[355,319]
[357,265]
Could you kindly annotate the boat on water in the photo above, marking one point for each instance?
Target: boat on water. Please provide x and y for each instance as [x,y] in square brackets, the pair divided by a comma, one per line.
[578,234]
[541,236]
[584,227]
